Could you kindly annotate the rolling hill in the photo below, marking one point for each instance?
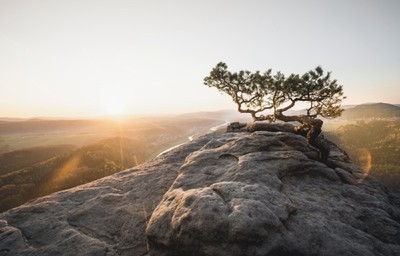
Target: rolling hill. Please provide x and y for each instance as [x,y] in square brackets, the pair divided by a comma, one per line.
[372,110]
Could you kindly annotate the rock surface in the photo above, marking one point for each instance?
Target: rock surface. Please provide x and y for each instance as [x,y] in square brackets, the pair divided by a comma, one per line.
[261,193]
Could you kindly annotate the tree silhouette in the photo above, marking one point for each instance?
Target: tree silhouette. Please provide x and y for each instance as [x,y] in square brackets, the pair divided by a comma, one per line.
[258,93]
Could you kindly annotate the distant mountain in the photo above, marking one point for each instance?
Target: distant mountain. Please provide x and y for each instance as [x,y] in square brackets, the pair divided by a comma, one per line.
[45,126]
[11,119]
[227,115]
[372,110]
[348,106]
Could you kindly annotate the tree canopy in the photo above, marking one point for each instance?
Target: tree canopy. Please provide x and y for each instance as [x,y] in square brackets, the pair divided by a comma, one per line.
[256,92]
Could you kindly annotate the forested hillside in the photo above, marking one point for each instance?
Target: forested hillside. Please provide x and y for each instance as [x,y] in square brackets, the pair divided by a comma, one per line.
[69,169]
[375,146]
[18,159]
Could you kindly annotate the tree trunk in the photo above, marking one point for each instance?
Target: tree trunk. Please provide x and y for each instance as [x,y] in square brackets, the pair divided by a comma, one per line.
[311,129]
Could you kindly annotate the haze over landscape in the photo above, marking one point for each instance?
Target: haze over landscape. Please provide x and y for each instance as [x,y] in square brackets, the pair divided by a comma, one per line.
[96,58]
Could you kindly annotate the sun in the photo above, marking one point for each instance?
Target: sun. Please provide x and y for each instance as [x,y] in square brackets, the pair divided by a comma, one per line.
[115,107]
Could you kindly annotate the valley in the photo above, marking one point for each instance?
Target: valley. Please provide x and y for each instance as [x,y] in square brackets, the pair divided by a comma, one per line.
[39,157]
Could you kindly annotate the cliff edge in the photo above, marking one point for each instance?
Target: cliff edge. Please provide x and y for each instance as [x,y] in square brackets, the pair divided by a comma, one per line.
[261,193]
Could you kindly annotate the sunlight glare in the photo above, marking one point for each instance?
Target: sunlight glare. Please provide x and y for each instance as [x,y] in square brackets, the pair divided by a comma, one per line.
[115,107]
[67,171]
[366,158]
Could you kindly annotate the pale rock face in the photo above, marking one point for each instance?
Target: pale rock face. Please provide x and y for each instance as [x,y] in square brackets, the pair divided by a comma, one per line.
[260,193]
[265,194]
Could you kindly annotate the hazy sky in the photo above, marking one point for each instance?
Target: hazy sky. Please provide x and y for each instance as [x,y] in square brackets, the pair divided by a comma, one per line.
[94,57]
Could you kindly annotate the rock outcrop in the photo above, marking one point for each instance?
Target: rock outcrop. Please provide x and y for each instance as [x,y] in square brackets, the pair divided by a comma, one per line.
[240,193]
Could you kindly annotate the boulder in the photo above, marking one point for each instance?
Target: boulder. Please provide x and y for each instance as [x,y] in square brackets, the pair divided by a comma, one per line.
[265,194]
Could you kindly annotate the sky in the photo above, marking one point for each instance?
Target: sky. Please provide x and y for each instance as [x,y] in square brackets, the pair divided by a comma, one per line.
[87,58]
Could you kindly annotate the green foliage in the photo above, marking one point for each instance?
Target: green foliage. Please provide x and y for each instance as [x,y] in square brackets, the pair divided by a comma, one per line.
[380,135]
[377,139]
[256,92]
